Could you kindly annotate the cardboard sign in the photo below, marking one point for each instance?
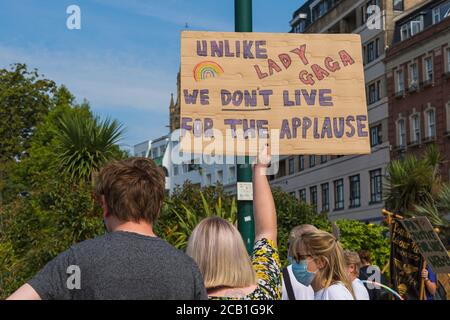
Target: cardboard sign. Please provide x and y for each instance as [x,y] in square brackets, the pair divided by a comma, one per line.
[430,246]
[303,93]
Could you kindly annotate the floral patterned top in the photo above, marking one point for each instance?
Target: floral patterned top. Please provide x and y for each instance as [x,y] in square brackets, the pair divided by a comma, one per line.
[267,265]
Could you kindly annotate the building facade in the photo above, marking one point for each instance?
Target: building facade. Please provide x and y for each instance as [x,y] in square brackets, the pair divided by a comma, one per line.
[155,149]
[418,78]
[349,187]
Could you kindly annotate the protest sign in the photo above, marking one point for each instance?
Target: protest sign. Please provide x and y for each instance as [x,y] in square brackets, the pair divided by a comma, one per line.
[405,263]
[304,93]
[421,232]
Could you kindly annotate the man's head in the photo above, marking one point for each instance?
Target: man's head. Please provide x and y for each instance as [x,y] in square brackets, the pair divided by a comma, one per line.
[130,190]
[364,255]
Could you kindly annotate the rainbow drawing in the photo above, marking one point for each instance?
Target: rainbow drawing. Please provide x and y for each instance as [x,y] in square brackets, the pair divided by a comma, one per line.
[207,69]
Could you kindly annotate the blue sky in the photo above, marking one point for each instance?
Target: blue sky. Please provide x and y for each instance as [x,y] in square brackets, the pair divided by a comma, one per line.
[125,58]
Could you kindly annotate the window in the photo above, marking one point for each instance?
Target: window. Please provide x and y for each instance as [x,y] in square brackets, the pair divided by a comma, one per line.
[282,169]
[416,26]
[301,163]
[175,170]
[291,166]
[398,5]
[375,186]
[155,153]
[208,179]
[299,27]
[448,116]
[428,62]
[400,81]
[374,92]
[325,197]
[404,32]
[302,195]
[375,135]
[401,133]
[355,191]
[436,15]
[413,75]
[232,174]
[313,196]
[312,161]
[219,176]
[448,60]
[431,119]
[415,129]
[292,193]
[339,194]
[370,52]
[323,159]
[377,47]
[411,28]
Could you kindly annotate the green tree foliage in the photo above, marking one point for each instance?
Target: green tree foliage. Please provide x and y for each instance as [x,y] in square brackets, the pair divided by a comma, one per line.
[414,187]
[187,206]
[291,213]
[25,98]
[356,236]
[45,211]
[86,144]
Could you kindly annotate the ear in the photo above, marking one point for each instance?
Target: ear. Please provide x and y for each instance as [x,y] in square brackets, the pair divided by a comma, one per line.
[320,263]
[104,206]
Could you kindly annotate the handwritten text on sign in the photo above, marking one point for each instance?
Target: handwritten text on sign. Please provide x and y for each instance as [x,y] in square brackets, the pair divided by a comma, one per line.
[429,244]
[303,94]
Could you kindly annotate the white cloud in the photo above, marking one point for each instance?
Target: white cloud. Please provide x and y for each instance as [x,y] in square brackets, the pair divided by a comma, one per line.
[104,79]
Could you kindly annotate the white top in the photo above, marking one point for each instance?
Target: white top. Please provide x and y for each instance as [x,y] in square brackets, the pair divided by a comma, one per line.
[334,292]
[360,290]
[301,292]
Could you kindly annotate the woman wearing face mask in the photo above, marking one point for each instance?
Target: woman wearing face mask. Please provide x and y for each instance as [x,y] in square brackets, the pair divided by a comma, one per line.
[293,289]
[322,258]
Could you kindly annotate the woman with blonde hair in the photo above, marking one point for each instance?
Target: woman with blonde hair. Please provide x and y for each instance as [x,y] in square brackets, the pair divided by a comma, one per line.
[324,259]
[353,265]
[219,251]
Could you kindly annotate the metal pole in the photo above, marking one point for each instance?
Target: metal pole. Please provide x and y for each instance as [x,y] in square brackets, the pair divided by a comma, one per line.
[243,23]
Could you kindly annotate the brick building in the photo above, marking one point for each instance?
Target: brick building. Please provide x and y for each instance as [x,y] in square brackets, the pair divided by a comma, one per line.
[418,82]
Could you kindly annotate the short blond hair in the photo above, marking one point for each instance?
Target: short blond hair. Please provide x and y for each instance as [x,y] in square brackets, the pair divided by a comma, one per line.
[219,251]
[352,257]
[297,232]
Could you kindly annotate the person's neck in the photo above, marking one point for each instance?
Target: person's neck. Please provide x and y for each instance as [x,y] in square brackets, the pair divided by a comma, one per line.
[143,228]
[316,285]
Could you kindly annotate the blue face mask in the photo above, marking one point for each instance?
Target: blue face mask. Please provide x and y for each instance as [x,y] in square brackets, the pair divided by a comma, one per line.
[300,271]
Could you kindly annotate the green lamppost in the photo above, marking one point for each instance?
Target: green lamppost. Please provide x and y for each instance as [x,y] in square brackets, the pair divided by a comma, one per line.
[243,23]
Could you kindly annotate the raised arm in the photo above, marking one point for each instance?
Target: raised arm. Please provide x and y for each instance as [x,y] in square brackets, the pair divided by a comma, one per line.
[263,204]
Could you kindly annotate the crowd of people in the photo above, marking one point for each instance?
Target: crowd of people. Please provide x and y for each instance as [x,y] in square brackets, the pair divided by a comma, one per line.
[131,262]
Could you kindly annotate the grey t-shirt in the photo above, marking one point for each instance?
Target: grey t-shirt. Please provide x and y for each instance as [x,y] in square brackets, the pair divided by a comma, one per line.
[121,265]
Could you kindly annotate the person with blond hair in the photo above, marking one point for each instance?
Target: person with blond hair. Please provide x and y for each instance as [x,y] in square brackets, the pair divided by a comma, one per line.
[354,264]
[324,257]
[219,251]
[294,289]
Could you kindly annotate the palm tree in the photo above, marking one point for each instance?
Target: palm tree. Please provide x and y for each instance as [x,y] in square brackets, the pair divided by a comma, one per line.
[86,143]
[414,187]
[177,231]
